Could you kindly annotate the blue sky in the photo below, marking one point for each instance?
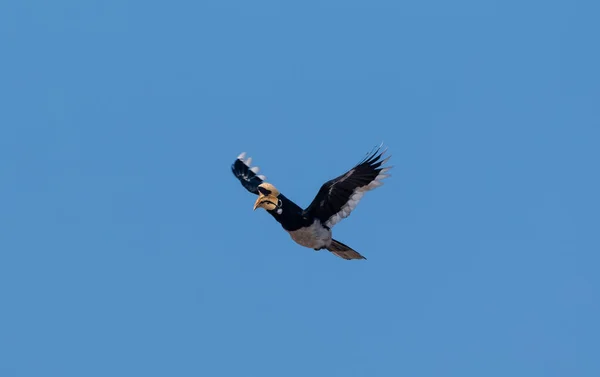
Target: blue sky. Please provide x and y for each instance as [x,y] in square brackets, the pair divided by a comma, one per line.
[127,248]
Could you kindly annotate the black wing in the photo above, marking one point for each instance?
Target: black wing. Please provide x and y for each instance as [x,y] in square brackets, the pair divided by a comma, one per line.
[338,197]
[246,174]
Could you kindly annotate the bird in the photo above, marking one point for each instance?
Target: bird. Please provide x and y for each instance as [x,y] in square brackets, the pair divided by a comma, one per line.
[311,227]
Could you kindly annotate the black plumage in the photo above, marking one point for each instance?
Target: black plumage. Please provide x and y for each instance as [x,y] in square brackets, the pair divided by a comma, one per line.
[247,175]
[311,227]
[337,194]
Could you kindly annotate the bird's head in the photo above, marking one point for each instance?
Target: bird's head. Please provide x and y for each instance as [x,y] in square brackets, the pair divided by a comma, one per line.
[268,197]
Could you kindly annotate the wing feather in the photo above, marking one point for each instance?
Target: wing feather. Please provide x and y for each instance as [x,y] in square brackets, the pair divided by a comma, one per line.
[338,197]
[247,175]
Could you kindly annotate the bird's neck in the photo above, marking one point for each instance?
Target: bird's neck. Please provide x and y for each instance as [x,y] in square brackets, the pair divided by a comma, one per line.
[289,215]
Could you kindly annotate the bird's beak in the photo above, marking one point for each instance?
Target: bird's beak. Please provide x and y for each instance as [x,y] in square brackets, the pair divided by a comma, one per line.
[257,203]
[267,202]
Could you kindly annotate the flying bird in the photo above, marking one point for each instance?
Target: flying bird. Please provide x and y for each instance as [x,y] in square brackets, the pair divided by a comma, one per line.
[337,198]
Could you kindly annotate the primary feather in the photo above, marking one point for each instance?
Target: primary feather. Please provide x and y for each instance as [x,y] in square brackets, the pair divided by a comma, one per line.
[246,174]
[338,197]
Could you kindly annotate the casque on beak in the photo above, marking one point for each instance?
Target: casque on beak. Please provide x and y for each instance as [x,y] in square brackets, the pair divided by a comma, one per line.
[267,197]
[268,202]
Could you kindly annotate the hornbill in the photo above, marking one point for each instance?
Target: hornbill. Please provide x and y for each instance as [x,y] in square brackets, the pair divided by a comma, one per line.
[311,227]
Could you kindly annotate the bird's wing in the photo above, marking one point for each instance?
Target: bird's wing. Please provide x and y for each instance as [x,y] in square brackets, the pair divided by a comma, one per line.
[247,175]
[338,197]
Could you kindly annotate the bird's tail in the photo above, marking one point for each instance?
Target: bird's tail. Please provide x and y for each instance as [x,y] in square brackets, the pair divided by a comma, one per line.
[343,251]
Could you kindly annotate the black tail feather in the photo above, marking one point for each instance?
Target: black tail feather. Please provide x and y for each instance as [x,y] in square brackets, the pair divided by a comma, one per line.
[343,251]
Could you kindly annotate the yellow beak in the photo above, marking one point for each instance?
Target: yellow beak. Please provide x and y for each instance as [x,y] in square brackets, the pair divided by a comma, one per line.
[266,201]
[257,203]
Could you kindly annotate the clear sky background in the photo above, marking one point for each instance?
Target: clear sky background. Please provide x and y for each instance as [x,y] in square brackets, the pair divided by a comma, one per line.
[127,247]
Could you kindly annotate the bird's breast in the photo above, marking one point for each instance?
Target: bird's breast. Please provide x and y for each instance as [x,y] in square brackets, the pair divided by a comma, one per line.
[314,236]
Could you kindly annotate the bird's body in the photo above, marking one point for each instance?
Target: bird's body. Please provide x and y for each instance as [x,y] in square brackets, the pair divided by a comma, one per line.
[316,236]
[311,227]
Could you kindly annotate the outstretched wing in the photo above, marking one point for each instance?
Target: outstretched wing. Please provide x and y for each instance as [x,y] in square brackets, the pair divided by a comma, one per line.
[339,196]
[247,175]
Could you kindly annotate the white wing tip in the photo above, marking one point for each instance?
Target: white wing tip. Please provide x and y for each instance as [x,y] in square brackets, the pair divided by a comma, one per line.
[247,162]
